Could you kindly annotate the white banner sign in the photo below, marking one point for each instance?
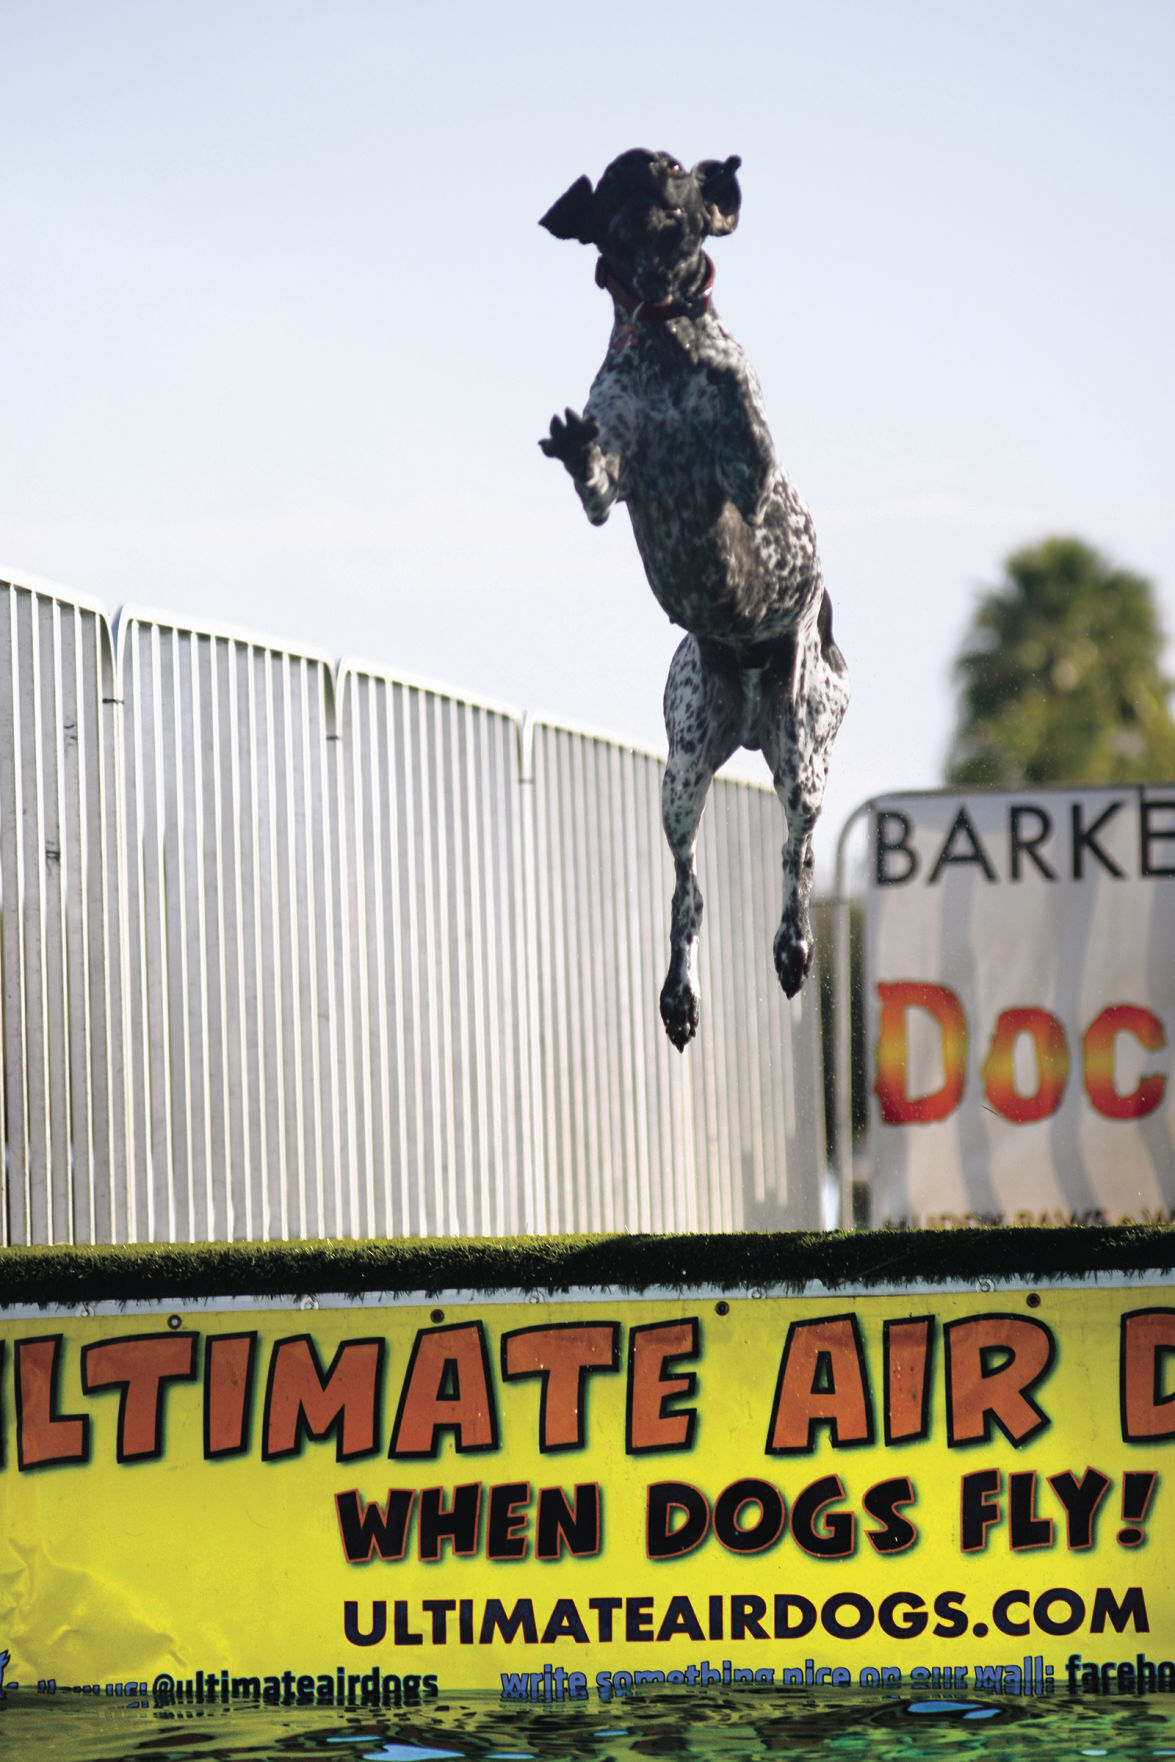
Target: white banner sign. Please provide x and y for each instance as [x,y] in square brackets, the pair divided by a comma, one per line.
[1020,968]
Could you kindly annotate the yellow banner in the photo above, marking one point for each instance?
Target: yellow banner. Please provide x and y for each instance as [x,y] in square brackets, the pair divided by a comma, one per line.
[351,1504]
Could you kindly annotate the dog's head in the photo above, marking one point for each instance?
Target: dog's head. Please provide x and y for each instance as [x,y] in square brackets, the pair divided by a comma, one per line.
[648,218]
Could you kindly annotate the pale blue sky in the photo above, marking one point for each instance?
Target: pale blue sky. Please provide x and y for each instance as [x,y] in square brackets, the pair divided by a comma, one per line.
[279,331]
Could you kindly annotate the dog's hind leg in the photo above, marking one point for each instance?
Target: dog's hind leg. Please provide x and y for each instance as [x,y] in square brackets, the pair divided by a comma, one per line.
[703,717]
[800,715]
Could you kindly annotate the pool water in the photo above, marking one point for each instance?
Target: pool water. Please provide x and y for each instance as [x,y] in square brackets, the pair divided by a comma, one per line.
[840,1726]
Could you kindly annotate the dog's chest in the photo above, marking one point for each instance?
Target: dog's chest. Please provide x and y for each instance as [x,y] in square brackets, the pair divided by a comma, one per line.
[726,544]
[669,415]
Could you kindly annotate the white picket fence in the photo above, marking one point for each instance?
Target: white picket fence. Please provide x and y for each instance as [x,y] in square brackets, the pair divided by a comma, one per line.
[296,950]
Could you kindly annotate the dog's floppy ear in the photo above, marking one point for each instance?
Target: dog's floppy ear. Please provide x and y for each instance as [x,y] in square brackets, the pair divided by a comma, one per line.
[573,215]
[720,192]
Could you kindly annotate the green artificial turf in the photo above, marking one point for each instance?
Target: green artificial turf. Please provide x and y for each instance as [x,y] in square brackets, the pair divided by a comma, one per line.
[634,1263]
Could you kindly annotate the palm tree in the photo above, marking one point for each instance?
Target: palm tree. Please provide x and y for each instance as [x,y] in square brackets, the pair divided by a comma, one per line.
[1059,678]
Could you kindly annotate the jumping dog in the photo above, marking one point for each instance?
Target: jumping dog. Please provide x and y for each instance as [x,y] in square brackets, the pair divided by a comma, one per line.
[674,427]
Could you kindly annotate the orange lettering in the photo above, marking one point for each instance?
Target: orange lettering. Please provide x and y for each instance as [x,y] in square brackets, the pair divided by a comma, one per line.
[228,1386]
[907,1381]
[1098,1050]
[993,1362]
[447,1389]
[822,1381]
[1052,1065]
[304,1401]
[43,1435]
[898,1106]
[562,1356]
[139,1365]
[653,1423]
[1147,1342]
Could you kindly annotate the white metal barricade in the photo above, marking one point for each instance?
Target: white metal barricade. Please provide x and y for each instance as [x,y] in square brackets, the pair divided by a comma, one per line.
[296,951]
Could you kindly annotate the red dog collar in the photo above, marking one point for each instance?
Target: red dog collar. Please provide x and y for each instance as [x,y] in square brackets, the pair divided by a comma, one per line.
[655,311]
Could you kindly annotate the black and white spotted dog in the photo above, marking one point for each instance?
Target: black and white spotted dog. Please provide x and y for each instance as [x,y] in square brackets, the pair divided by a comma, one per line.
[674,426]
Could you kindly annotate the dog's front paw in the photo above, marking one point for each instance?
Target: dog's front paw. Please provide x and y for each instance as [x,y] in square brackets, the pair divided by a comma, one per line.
[680,1012]
[573,440]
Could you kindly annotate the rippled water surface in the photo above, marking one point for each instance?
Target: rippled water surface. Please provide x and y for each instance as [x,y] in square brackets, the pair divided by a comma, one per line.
[841,1726]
